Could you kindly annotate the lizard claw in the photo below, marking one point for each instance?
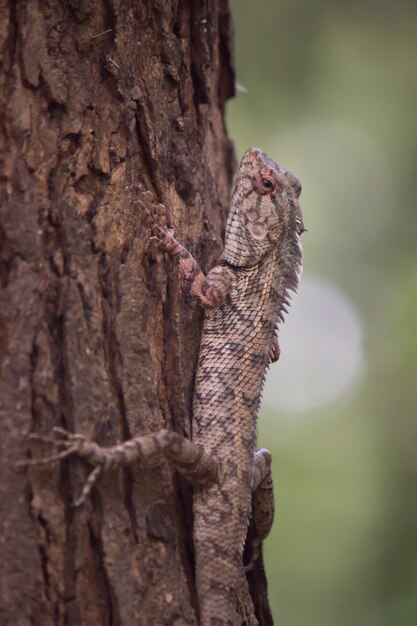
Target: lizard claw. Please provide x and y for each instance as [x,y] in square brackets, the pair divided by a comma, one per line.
[154,213]
[68,444]
[274,351]
[64,447]
[253,558]
[155,216]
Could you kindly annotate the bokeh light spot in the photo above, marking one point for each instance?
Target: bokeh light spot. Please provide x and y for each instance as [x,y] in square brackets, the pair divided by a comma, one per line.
[321,350]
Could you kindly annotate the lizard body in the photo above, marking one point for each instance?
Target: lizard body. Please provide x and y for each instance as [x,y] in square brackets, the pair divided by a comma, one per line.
[261,260]
[245,296]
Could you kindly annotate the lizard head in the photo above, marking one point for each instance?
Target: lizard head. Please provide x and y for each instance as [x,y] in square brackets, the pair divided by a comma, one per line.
[263,211]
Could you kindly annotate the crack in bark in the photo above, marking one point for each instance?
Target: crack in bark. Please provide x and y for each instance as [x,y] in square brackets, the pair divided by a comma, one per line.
[143,133]
[108,593]
[110,297]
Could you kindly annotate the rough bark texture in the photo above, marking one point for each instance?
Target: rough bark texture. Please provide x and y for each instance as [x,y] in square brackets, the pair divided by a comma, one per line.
[100,98]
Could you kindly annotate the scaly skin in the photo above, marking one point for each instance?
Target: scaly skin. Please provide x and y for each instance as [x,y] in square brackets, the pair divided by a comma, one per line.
[245,296]
[262,258]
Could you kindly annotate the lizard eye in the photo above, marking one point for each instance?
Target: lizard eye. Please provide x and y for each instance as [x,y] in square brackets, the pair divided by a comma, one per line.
[264,184]
[268,184]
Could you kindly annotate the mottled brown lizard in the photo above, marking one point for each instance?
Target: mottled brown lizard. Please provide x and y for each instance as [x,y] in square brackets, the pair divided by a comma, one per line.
[245,296]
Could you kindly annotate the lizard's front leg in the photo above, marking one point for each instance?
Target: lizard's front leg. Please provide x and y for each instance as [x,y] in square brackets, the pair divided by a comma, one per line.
[275,350]
[212,289]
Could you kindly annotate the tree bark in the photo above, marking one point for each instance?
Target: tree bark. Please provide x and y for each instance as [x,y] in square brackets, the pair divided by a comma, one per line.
[100,99]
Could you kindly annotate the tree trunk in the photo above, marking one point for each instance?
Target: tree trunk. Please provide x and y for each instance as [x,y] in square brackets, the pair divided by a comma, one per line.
[101,99]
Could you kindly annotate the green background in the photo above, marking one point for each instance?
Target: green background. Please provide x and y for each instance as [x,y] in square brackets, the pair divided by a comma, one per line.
[332,95]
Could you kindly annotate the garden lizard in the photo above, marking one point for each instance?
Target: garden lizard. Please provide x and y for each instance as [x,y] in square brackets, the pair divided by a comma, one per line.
[244,297]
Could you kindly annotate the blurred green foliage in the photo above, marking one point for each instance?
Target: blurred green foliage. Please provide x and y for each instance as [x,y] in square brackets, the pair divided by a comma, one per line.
[332,95]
